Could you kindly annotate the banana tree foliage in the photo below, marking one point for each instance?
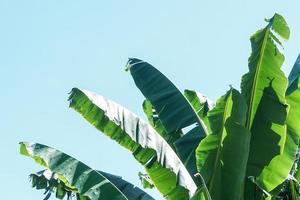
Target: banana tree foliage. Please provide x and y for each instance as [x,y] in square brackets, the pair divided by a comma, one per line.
[201,105]
[264,87]
[69,177]
[244,147]
[293,125]
[51,183]
[173,110]
[222,155]
[162,164]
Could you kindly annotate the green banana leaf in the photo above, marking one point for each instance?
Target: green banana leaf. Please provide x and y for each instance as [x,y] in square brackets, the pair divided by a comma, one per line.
[201,105]
[294,75]
[222,155]
[264,88]
[161,163]
[175,140]
[293,122]
[77,176]
[172,108]
[50,182]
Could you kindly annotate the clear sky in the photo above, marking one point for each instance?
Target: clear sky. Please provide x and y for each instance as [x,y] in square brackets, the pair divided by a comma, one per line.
[49,46]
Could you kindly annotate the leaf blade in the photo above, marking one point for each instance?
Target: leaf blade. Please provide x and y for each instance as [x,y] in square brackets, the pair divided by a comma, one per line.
[222,155]
[173,109]
[141,139]
[264,88]
[293,126]
[75,174]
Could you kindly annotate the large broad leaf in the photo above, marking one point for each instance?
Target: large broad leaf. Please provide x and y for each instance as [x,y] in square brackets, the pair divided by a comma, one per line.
[264,88]
[222,155]
[183,145]
[51,183]
[162,164]
[293,122]
[77,176]
[201,105]
[173,109]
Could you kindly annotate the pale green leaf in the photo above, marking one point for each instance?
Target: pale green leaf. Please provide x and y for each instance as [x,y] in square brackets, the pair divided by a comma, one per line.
[222,155]
[75,175]
[264,88]
[161,163]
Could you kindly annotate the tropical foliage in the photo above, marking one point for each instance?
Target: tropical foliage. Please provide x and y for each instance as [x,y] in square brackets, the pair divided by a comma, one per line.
[244,146]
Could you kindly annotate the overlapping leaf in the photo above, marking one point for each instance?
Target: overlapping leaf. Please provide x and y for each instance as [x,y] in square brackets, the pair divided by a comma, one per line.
[222,155]
[155,122]
[201,105]
[74,174]
[293,120]
[51,183]
[162,164]
[173,109]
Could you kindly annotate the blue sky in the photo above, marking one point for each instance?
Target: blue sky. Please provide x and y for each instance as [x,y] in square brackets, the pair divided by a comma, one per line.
[47,47]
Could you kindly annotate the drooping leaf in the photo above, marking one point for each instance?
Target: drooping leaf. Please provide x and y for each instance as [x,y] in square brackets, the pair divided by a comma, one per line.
[293,122]
[201,105]
[264,89]
[161,163]
[74,174]
[222,155]
[58,186]
[173,109]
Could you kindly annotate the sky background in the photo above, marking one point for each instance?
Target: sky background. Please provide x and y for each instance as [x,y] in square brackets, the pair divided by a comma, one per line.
[47,47]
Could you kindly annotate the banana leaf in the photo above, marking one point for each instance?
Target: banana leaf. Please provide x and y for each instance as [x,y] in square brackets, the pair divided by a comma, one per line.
[172,108]
[165,169]
[78,178]
[222,155]
[51,183]
[264,88]
[293,125]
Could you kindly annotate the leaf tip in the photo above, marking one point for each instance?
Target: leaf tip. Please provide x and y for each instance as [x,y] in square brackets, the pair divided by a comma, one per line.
[131,62]
[23,149]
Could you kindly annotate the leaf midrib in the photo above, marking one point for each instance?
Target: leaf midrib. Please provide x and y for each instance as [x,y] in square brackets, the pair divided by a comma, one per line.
[257,72]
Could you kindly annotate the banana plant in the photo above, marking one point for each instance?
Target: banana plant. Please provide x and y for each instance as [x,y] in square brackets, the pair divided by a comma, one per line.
[244,146]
